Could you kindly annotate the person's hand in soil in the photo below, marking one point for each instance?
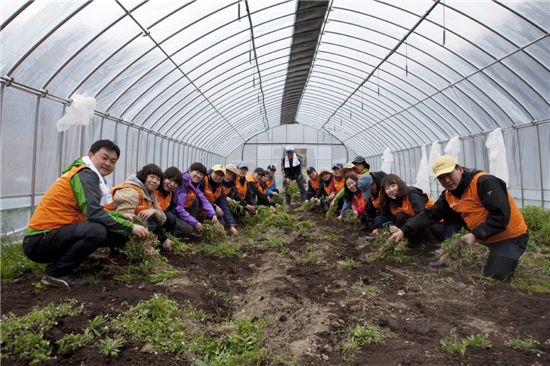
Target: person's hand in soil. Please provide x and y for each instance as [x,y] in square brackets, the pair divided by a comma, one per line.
[214,220]
[393,229]
[129,216]
[146,214]
[140,231]
[397,236]
[199,228]
[219,211]
[375,232]
[469,239]
[250,208]
[167,245]
[230,201]
[339,218]
[233,230]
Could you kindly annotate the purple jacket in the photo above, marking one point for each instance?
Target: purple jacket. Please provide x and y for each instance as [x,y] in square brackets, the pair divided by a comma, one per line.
[181,196]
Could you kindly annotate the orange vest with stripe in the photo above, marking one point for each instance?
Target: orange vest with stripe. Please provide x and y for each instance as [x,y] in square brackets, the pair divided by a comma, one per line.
[58,207]
[406,207]
[315,183]
[338,183]
[210,195]
[142,204]
[163,202]
[241,188]
[358,203]
[259,186]
[470,207]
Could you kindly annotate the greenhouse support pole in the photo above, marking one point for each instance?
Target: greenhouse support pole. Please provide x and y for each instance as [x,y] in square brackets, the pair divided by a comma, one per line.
[34,149]
[540,167]
[127,157]
[520,169]
[60,140]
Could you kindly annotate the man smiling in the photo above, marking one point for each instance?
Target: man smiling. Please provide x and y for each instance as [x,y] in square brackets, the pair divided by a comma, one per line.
[487,210]
[70,221]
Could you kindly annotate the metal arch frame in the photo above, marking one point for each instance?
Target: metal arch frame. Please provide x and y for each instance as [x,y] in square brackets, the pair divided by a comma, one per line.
[487,66]
[178,67]
[182,48]
[15,14]
[392,51]
[93,39]
[46,36]
[479,48]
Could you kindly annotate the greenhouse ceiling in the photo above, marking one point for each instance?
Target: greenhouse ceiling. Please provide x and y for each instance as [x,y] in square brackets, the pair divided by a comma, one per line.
[213,74]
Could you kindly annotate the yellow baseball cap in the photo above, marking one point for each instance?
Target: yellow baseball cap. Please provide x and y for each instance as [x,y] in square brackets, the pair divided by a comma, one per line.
[443,165]
[218,168]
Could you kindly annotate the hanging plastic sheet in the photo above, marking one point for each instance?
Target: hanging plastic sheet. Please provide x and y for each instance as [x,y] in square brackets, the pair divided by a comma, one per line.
[387,160]
[498,165]
[79,113]
[453,147]
[423,174]
[435,152]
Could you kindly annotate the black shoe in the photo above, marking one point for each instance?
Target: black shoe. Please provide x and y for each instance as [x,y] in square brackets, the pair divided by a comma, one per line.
[68,281]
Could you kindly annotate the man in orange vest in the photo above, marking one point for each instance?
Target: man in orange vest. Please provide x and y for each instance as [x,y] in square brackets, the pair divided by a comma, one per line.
[214,193]
[313,183]
[244,195]
[70,222]
[257,186]
[270,181]
[487,210]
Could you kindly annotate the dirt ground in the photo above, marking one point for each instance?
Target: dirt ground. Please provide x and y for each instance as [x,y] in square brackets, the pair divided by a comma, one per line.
[313,302]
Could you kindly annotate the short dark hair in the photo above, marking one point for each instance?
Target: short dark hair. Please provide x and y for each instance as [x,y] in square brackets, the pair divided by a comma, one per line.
[198,167]
[149,169]
[174,174]
[107,144]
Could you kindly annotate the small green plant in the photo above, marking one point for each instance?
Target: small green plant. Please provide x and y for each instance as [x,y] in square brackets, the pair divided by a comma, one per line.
[213,233]
[457,346]
[360,335]
[364,288]
[13,261]
[73,341]
[454,345]
[293,190]
[346,264]
[310,204]
[526,345]
[332,213]
[308,256]
[351,217]
[478,341]
[538,223]
[110,347]
[237,209]
[96,326]
[389,250]
[278,199]
[23,336]
[459,253]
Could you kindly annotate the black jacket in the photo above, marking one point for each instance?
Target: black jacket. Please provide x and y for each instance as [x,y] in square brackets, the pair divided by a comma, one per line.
[292,173]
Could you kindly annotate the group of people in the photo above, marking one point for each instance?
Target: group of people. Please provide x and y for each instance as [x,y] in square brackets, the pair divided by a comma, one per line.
[472,199]
[80,213]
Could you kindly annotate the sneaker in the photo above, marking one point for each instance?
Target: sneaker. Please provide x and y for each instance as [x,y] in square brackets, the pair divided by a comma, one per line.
[68,281]
[117,259]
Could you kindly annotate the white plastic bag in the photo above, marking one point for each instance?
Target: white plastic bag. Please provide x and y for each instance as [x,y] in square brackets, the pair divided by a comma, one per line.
[498,165]
[79,113]
[453,147]
[387,159]
[435,152]
[423,174]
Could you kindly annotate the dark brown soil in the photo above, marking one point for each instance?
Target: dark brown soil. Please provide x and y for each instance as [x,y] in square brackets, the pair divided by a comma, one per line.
[312,302]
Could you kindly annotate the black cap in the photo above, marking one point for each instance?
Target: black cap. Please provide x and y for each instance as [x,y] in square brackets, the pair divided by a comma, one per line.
[271,167]
[359,160]
[310,170]
[337,166]
[259,171]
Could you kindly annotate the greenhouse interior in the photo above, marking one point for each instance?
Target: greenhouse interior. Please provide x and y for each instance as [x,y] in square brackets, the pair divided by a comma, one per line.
[253,84]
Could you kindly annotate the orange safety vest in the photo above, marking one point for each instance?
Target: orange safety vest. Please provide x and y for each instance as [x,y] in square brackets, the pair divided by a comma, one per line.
[470,207]
[259,186]
[358,203]
[163,202]
[269,182]
[210,195]
[375,202]
[226,190]
[406,207]
[58,207]
[338,183]
[241,188]
[191,196]
[315,183]
[142,205]
[327,187]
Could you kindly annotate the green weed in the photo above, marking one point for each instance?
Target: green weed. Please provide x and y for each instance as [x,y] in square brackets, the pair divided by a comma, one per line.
[73,341]
[459,253]
[308,256]
[23,336]
[110,347]
[346,264]
[457,346]
[359,336]
[364,288]
[293,190]
[13,262]
[390,251]
[526,345]
[538,223]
